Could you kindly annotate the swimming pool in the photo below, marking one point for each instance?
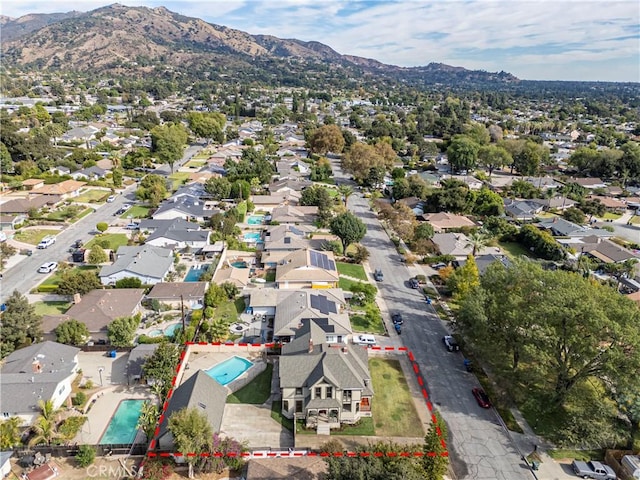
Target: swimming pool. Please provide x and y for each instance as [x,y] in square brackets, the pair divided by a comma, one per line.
[239,264]
[155,333]
[195,272]
[170,331]
[252,237]
[122,427]
[227,371]
[255,220]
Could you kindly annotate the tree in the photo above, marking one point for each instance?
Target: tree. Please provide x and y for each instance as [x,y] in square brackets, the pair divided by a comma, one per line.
[117,176]
[129,282]
[218,187]
[529,160]
[20,324]
[72,332]
[6,251]
[240,189]
[424,231]
[360,255]
[348,228]
[327,138]
[435,466]
[360,159]
[465,279]
[148,419]
[85,456]
[161,366]
[575,215]
[10,433]
[78,281]
[488,203]
[97,255]
[463,153]
[45,428]
[192,433]
[345,192]
[152,189]
[102,226]
[493,157]
[167,142]
[209,125]
[122,330]
[477,241]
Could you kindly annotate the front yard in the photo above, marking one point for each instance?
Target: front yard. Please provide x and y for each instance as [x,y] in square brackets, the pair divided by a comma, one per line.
[92,196]
[393,409]
[137,211]
[368,321]
[114,240]
[352,270]
[33,235]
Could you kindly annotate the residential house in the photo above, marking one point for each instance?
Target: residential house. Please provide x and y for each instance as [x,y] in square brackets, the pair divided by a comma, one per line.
[289,184]
[201,392]
[559,227]
[90,173]
[543,183]
[604,250]
[483,261]
[270,202]
[25,205]
[178,294]
[524,210]
[186,207]
[443,221]
[238,276]
[136,360]
[558,203]
[64,190]
[294,214]
[148,263]
[5,463]
[610,203]
[175,234]
[96,310]
[279,240]
[588,183]
[292,168]
[80,134]
[9,222]
[458,245]
[42,371]
[31,183]
[326,385]
[307,269]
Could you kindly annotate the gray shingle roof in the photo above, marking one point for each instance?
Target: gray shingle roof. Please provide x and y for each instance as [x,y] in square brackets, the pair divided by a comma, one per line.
[137,358]
[144,260]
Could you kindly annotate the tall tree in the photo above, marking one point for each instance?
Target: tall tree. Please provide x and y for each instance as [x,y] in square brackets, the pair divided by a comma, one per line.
[327,138]
[360,159]
[148,419]
[78,281]
[72,332]
[45,428]
[152,189]
[167,143]
[463,153]
[348,228]
[161,366]
[122,330]
[97,255]
[21,326]
[192,433]
[492,157]
[435,442]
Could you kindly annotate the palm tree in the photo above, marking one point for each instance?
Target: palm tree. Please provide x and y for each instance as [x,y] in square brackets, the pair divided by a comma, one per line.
[46,425]
[345,191]
[10,432]
[477,241]
[148,419]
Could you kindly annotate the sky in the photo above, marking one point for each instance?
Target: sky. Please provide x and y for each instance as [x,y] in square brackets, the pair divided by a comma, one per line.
[584,40]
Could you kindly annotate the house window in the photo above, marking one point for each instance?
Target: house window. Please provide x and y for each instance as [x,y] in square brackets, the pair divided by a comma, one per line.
[318,393]
[329,392]
[285,405]
[5,414]
[298,406]
[346,396]
[298,391]
[61,391]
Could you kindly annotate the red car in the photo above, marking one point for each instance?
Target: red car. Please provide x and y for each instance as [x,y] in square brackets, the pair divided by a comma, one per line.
[481,397]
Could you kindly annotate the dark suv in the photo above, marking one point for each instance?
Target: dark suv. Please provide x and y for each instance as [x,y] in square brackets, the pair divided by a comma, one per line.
[396,318]
[450,343]
[377,275]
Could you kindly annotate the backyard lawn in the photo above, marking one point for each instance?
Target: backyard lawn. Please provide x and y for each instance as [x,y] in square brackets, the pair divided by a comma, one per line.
[257,391]
[115,240]
[93,195]
[34,235]
[137,211]
[228,311]
[394,412]
[515,249]
[51,308]
[352,270]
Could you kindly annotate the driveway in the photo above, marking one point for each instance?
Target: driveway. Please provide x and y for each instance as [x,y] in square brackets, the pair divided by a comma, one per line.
[480,448]
[253,424]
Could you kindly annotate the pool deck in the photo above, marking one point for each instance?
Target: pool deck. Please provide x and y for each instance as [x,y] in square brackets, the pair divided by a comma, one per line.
[204,361]
[107,402]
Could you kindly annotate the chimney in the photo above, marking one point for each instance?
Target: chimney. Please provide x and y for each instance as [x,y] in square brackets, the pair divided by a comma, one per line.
[76,298]
[310,346]
[36,367]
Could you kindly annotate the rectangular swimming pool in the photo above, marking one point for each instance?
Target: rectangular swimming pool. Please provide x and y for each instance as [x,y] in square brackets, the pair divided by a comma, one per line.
[195,272]
[122,427]
[227,371]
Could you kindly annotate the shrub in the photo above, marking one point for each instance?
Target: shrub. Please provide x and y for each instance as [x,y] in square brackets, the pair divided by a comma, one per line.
[146,339]
[88,385]
[71,426]
[86,455]
[79,399]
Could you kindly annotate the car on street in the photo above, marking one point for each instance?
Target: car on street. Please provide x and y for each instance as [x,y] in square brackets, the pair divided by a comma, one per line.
[450,343]
[377,275]
[111,198]
[593,469]
[46,242]
[413,283]
[133,226]
[78,244]
[48,267]
[481,397]
[396,318]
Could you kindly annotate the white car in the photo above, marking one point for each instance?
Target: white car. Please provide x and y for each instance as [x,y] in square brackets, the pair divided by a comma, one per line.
[48,267]
[46,242]
[364,339]
[111,198]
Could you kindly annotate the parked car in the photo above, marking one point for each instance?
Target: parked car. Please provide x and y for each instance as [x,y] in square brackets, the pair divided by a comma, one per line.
[438,266]
[413,283]
[48,267]
[593,470]
[78,244]
[364,339]
[46,242]
[133,226]
[111,198]
[396,318]
[26,251]
[481,397]
[450,343]
[377,275]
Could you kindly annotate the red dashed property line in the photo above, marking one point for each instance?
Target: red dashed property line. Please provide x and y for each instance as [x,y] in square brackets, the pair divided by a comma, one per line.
[292,454]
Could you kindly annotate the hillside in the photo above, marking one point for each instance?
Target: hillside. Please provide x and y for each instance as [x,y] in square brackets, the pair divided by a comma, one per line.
[133,41]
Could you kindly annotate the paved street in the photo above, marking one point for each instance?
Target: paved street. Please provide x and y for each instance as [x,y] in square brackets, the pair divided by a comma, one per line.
[479,446]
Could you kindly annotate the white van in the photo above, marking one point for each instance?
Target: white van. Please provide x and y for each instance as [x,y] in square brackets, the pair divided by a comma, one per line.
[47,242]
[48,267]
[369,340]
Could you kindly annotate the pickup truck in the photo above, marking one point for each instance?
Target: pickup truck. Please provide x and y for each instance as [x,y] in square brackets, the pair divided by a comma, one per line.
[593,470]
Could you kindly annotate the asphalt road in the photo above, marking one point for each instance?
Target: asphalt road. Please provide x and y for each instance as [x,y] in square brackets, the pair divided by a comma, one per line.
[24,276]
[479,446]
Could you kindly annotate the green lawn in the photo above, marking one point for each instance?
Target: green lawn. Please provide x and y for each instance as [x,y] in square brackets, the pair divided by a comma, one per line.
[115,240]
[276,409]
[394,412]
[257,391]
[270,276]
[345,283]
[363,324]
[611,216]
[51,308]
[363,427]
[92,196]
[582,455]
[34,235]
[635,220]
[137,211]
[228,312]
[60,214]
[515,249]
[178,179]
[195,163]
[352,270]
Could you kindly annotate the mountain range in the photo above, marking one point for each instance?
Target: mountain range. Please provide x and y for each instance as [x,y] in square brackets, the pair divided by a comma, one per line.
[136,41]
